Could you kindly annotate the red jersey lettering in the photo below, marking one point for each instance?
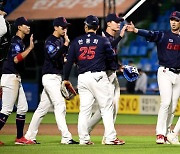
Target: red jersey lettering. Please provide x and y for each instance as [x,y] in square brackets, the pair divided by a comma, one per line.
[172,46]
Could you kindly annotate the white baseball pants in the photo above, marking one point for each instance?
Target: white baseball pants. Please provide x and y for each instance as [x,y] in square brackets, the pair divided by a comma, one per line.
[169,87]
[116,96]
[13,94]
[51,95]
[95,86]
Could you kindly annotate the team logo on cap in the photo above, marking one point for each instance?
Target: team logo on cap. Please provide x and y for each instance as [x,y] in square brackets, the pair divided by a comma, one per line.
[64,19]
[174,13]
[25,18]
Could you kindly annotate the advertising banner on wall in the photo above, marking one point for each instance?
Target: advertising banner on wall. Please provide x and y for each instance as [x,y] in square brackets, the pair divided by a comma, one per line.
[128,104]
[50,9]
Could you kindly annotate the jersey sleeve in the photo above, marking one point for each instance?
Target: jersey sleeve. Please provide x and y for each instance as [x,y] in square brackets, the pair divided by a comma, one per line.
[53,51]
[110,53]
[15,48]
[152,36]
[155,36]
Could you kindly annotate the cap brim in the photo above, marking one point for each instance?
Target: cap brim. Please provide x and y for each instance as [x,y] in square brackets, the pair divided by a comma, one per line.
[22,23]
[176,18]
[66,25]
[117,20]
[26,23]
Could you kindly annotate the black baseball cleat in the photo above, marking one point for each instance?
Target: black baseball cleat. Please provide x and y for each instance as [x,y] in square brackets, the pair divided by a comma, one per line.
[35,142]
[73,142]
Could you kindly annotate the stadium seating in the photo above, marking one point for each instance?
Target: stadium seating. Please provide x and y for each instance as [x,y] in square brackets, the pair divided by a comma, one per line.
[142,51]
[133,51]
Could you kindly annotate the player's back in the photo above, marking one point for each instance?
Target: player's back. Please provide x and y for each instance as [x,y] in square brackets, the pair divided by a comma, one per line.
[91,50]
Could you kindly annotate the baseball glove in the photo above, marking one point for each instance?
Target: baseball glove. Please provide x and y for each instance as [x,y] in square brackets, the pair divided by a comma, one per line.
[67,90]
[130,73]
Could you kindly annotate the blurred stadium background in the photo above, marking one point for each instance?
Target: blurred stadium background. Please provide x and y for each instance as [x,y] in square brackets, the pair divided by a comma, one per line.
[152,15]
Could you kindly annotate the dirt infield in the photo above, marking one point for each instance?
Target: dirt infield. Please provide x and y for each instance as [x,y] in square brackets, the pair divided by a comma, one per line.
[122,130]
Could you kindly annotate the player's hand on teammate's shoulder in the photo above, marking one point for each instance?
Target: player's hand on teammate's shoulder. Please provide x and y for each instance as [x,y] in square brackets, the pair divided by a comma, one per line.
[3,13]
[31,45]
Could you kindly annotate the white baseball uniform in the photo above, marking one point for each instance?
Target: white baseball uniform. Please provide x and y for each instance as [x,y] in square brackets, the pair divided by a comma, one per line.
[51,95]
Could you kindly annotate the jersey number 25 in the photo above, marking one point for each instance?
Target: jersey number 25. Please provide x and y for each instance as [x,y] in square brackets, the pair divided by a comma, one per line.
[87,53]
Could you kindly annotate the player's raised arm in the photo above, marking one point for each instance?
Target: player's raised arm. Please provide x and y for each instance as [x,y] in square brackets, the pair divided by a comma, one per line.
[152,36]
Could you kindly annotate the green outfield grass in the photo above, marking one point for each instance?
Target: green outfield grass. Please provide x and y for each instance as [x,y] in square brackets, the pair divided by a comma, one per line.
[72,119]
[51,145]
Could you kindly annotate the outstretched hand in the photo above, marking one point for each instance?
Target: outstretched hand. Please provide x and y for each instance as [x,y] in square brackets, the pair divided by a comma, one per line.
[130,27]
[31,45]
[123,30]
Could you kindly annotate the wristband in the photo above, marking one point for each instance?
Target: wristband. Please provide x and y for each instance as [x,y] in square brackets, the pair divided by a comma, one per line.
[19,57]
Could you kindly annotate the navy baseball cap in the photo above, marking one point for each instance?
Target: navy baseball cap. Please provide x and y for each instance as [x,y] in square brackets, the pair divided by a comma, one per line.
[91,20]
[60,21]
[21,21]
[175,15]
[113,17]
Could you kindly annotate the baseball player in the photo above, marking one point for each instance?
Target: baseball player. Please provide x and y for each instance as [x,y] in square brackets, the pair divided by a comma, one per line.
[90,52]
[13,67]
[113,26]
[52,70]
[173,135]
[168,50]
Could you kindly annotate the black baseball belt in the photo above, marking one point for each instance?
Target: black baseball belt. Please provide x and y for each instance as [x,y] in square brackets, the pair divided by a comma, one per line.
[174,70]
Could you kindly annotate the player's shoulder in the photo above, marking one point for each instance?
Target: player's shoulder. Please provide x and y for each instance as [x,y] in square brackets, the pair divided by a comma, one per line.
[16,39]
[51,39]
[168,32]
[101,38]
[79,39]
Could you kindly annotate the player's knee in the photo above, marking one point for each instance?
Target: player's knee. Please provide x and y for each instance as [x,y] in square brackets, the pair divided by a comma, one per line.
[165,106]
[6,112]
[22,111]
